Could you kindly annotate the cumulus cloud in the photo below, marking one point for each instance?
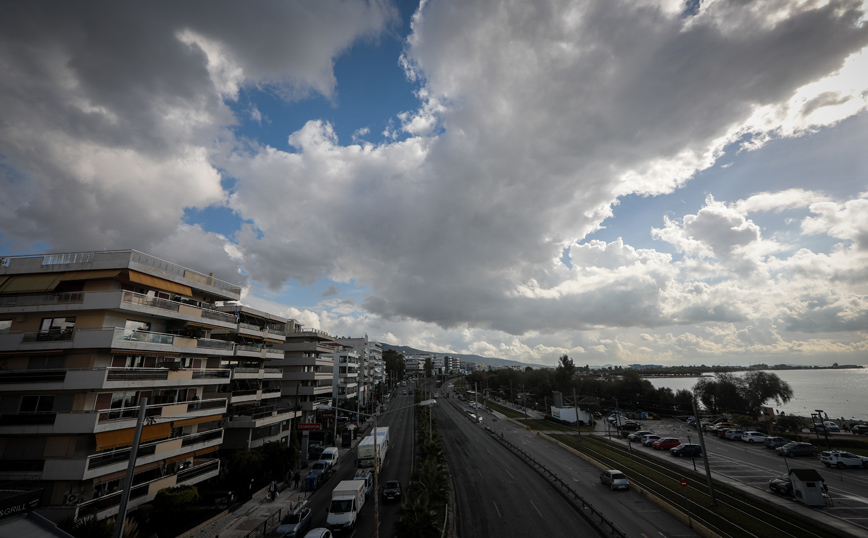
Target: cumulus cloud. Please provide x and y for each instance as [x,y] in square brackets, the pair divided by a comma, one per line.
[469,223]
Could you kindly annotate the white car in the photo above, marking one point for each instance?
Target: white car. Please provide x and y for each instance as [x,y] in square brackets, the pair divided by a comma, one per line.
[753,437]
[842,459]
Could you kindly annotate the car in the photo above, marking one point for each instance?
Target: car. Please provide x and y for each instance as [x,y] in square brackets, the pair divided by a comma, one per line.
[649,439]
[841,459]
[753,437]
[831,426]
[319,467]
[319,532]
[784,485]
[859,429]
[796,449]
[774,442]
[721,432]
[392,491]
[637,436]
[686,450]
[629,425]
[666,443]
[314,451]
[614,479]
[733,435]
[294,524]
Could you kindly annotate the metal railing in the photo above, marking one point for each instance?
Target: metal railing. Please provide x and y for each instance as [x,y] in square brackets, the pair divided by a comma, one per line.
[74,297]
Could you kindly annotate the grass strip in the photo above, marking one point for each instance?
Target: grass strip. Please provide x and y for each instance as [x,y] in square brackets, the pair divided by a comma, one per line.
[511,413]
[729,519]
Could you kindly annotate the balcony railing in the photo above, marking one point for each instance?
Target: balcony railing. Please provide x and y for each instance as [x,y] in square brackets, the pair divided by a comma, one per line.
[32,376]
[207,343]
[217,315]
[161,338]
[47,336]
[253,414]
[38,300]
[248,347]
[126,413]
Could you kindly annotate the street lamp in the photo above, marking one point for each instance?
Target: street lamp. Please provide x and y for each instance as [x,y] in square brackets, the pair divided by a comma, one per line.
[424,403]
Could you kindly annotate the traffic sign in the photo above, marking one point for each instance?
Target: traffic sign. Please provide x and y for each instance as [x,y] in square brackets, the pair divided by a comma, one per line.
[684,483]
[308,426]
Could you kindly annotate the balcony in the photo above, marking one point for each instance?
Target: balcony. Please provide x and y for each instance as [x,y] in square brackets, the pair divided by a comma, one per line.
[141,493]
[261,415]
[108,378]
[114,338]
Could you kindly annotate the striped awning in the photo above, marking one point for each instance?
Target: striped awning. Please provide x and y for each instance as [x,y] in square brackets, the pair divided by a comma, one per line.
[125,437]
[160,283]
[197,420]
[180,457]
[91,275]
[121,474]
[208,450]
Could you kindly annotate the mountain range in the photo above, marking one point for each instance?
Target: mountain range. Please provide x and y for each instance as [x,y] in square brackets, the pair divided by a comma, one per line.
[478,359]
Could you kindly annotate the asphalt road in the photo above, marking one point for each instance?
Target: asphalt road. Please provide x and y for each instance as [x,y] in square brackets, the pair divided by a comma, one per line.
[495,493]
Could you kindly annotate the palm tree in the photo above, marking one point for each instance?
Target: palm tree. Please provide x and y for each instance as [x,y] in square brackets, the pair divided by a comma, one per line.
[418,519]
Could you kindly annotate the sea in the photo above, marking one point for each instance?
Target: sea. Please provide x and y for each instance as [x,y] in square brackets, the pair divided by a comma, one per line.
[839,393]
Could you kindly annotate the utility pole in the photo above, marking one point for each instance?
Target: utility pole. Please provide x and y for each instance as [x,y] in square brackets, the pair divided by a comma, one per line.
[576,405]
[131,471]
[705,454]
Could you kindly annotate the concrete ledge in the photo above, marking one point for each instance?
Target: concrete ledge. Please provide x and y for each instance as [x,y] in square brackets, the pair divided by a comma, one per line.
[204,524]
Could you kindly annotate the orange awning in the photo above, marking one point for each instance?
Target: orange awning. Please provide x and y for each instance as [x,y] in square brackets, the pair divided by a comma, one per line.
[208,450]
[91,275]
[160,283]
[122,474]
[197,420]
[125,437]
[173,459]
[31,283]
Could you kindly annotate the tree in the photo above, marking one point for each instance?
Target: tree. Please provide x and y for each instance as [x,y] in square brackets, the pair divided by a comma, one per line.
[394,362]
[745,395]
[564,373]
[761,387]
[429,367]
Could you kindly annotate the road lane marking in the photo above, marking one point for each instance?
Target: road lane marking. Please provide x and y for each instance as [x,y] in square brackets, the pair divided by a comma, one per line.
[480,473]
[537,509]
[510,475]
[498,509]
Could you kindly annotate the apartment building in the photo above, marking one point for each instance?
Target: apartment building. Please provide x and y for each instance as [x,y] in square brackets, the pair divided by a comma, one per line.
[307,369]
[85,339]
[345,377]
[255,415]
[372,371]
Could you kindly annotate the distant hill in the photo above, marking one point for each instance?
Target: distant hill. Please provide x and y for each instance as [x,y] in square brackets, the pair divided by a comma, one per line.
[478,359]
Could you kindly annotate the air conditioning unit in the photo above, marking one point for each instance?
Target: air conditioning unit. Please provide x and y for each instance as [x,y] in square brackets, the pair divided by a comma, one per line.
[71,499]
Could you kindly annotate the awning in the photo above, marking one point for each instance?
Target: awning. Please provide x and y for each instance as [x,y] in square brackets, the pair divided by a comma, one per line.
[173,459]
[273,341]
[205,325]
[3,280]
[125,437]
[89,275]
[31,283]
[122,474]
[160,283]
[197,420]
[208,450]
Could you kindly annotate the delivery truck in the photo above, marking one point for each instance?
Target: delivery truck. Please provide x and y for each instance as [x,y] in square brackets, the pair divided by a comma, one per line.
[365,449]
[348,497]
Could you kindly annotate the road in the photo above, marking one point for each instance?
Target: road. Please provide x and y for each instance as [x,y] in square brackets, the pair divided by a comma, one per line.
[495,493]
[398,417]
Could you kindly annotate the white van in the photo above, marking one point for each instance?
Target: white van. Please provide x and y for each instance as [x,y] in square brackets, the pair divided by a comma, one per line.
[330,455]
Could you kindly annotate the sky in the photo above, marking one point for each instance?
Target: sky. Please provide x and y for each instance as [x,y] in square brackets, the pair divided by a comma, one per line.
[636,181]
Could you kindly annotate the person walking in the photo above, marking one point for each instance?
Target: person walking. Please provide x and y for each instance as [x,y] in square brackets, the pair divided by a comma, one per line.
[272,490]
[296,478]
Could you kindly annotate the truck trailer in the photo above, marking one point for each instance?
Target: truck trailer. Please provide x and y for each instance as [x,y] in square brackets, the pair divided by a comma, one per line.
[365,449]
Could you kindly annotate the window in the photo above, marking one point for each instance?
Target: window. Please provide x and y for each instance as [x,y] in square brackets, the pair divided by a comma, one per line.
[5,324]
[133,325]
[37,403]
[56,328]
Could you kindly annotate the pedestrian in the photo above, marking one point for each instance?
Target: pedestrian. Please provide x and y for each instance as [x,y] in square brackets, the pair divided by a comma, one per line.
[297,478]
[272,490]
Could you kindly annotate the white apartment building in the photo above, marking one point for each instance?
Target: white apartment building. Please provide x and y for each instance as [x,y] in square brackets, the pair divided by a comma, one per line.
[85,339]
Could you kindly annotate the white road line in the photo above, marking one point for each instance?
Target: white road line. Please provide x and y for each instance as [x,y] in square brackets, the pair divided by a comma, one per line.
[498,509]
[509,473]
[480,473]
[537,509]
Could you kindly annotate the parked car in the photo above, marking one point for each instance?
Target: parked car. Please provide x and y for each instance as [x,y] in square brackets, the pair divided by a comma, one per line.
[721,432]
[842,459]
[614,479]
[859,428]
[629,425]
[294,524]
[733,435]
[796,449]
[831,426]
[392,491]
[775,442]
[320,467]
[648,440]
[666,443]
[753,437]
[686,450]
[637,436]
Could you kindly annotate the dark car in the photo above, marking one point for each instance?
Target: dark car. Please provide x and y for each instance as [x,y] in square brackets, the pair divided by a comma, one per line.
[392,491]
[629,425]
[686,451]
[294,525]
[859,428]
[784,485]
[797,449]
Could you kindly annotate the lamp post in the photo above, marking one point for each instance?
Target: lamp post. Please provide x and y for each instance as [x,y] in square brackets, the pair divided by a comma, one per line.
[424,403]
